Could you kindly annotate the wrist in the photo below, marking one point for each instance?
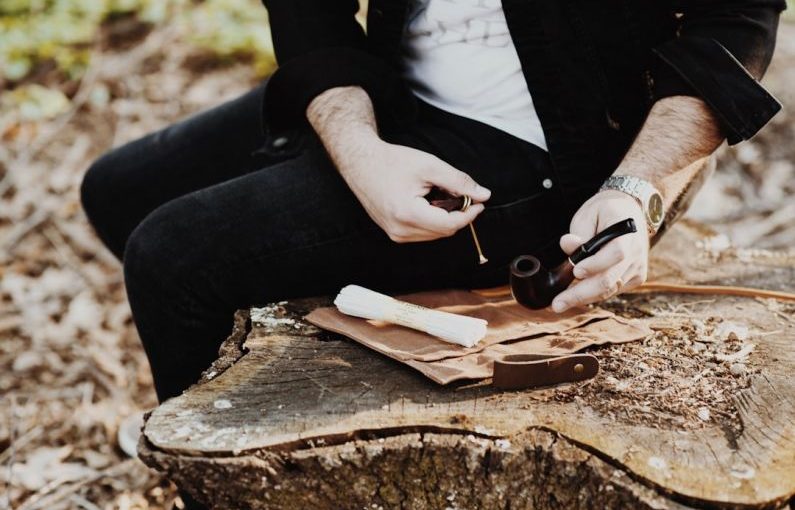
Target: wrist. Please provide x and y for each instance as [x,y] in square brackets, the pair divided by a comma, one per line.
[645,195]
[339,111]
[614,194]
[353,150]
[334,103]
[639,170]
[344,121]
[629,204]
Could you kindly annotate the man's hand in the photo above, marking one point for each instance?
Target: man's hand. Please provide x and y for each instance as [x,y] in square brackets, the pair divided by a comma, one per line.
[621,265]
[390,180]
[678,131]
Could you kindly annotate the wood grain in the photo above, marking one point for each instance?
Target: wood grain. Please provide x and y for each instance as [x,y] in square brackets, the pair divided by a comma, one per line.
[307,420]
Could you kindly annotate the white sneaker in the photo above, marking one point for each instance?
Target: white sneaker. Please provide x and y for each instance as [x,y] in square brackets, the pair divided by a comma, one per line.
[129,433]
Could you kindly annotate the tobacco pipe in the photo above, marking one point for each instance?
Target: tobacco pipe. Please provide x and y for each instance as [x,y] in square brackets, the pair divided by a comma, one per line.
[534,286]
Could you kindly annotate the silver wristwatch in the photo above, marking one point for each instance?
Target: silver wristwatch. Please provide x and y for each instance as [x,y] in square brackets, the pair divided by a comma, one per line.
[645,193]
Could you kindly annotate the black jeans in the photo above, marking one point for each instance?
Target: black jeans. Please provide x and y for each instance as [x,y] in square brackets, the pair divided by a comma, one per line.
[210,215]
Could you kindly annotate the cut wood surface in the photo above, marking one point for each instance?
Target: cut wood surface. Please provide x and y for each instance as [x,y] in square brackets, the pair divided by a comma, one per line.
[700,414]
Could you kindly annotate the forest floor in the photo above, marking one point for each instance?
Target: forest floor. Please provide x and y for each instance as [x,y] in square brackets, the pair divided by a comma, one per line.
[71,366]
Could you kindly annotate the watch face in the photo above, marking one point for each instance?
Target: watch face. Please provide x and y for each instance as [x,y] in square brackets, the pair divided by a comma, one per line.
[655,210]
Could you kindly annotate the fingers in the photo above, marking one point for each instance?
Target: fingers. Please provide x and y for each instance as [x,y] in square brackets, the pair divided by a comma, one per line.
[635,277]
[611,254]
[424,222]
[457,182]
[633,283]
[442,222]
[620,265]
[623,276]
[583,226]
[570,242]
[596,288]
[421,221]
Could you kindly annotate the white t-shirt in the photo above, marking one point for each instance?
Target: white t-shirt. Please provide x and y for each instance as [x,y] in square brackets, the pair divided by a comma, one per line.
[459,56]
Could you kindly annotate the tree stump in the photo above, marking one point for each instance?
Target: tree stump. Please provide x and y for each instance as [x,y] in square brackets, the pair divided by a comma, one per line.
[699,415]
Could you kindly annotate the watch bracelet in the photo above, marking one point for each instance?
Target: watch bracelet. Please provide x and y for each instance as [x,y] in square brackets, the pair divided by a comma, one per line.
[631,186]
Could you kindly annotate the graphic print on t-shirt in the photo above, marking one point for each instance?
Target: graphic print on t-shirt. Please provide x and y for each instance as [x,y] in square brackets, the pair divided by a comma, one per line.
[459,56]
[487,27]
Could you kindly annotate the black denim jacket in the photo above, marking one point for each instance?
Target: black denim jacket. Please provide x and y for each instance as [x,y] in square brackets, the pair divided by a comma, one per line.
[594,68]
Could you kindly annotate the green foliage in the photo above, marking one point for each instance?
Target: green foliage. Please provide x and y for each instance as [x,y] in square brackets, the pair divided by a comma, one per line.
[231,27]
[32,103]
[62,31]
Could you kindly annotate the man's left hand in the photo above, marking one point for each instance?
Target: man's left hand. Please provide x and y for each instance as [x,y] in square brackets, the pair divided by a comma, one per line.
[620,265]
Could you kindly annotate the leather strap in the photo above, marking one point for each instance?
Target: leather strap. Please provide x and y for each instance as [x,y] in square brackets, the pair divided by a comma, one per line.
[730,290]
[654,286]
[519,371]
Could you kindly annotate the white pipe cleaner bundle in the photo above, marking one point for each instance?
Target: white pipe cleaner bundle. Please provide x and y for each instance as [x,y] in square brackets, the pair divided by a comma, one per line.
[450,327]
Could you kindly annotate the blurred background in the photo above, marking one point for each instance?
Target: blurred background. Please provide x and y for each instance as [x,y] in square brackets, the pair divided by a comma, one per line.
[80,76]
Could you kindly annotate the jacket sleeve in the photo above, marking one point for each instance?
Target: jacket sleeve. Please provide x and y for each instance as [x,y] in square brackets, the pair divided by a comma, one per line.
[723,48]
[320,45]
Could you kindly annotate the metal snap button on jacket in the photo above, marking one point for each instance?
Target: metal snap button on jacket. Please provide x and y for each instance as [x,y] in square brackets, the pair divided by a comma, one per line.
[279,142]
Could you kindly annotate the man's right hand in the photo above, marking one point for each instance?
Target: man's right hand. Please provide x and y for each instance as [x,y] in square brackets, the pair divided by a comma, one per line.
[390,180]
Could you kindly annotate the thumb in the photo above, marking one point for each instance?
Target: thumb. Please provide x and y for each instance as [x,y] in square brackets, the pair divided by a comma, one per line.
[570,242]
[446,223]
[458,183]
[581,229]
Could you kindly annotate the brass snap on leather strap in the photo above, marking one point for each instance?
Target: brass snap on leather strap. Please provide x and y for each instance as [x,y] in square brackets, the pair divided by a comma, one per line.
[519,371]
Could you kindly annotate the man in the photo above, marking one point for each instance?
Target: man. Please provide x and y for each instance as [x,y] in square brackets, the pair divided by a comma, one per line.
[556,118]
[595,70]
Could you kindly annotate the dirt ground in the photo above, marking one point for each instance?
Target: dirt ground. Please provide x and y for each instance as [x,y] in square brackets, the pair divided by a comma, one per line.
[71,367]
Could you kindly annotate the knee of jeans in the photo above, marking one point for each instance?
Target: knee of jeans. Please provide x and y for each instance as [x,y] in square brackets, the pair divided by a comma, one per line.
[145,259]
[93,188]
[161,253]
[99,199]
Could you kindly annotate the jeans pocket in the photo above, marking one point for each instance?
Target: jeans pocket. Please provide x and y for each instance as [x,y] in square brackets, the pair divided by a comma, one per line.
[521,226]
[514,207]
